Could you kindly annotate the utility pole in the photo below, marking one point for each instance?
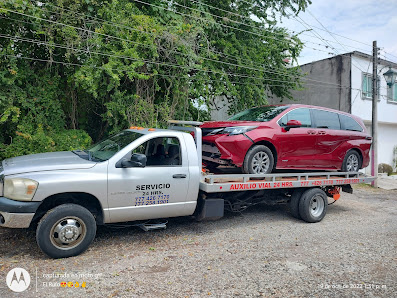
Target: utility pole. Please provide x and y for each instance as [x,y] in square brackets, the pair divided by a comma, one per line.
[374,151]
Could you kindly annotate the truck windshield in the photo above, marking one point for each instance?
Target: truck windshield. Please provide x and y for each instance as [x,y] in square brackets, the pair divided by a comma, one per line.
[110,146]
[262,114]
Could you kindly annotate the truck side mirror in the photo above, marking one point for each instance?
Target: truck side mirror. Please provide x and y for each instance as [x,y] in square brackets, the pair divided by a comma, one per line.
[293,124]
[137,160]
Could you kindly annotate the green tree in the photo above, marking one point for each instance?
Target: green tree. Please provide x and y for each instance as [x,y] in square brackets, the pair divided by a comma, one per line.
[97,67]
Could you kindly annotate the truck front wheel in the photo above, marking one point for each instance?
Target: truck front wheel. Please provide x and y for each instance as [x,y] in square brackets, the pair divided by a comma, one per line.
[66,231]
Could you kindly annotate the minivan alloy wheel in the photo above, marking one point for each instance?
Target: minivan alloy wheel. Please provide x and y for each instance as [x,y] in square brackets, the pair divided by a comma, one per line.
[260,162]
[352,163]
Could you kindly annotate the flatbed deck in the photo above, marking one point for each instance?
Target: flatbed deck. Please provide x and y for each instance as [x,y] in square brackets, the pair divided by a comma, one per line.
[212,183]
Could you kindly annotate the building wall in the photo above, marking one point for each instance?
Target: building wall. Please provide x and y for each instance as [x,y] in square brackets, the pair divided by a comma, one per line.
[361,106]
[219,108]
[387,110]
[335,72]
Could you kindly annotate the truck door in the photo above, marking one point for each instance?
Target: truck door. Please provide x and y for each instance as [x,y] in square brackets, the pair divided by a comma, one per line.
[158,190]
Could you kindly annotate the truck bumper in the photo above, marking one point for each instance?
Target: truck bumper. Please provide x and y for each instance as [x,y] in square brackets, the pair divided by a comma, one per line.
[15,220]
[16,214]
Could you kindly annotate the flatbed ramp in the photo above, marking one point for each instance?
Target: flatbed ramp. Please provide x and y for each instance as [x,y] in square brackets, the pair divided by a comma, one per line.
[212,183]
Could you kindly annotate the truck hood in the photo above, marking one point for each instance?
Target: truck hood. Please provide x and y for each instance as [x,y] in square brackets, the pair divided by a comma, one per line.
[45,162]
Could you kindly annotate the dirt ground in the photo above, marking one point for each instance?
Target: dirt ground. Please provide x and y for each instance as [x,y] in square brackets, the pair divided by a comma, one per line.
[262,252]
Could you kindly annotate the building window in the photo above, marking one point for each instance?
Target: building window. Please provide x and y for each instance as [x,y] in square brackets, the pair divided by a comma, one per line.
[367,86]
[394,95]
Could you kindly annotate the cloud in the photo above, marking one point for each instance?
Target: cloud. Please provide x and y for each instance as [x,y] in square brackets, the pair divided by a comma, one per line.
[363,21]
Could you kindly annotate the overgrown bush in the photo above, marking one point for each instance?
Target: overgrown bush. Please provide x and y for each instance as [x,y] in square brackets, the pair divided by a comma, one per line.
[385,168]
[41,141]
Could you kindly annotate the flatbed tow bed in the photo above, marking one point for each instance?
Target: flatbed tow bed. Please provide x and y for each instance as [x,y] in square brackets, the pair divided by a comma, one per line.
[306,193]
[212,183]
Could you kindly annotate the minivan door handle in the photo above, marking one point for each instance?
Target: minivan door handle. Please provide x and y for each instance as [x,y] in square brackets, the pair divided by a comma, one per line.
[179,176]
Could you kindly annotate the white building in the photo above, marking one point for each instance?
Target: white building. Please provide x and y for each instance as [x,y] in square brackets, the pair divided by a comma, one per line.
[344,82]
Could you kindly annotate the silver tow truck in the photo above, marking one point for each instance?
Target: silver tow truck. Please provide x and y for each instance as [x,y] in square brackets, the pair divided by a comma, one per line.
[140,175]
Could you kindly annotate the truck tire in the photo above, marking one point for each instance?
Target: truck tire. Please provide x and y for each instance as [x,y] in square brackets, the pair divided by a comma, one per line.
[66,231]
[258,160]
[313,205]
[294,202]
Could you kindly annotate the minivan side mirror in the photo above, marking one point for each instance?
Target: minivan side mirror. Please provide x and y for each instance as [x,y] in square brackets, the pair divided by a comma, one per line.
[293,124]
[137,160]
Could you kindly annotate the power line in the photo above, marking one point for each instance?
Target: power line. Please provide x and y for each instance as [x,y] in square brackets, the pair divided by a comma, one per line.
[239,15]
[127,40]
[39,42]
[148,61]
[140,60]
[293,14]
[258,28]
[305,24]
[245,31]
[264,29]
[176,65]
[237,58]
[329,32]
[199,18]
[311,26]
[157,74]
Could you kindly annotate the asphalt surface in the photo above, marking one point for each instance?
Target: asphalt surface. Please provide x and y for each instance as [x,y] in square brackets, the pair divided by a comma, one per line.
[262,252]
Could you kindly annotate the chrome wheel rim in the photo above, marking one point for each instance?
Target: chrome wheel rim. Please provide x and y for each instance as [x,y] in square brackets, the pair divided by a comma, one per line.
[68,232]
[260,162]
[316,205]
[352,163]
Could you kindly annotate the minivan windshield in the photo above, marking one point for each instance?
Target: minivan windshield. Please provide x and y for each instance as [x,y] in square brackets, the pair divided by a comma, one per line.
[107,148]
[262,114]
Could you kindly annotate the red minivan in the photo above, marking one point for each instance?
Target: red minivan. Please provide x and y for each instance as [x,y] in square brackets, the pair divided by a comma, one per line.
[294,136]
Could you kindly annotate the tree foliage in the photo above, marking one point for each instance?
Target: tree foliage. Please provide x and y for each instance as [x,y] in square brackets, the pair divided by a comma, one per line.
[75,69]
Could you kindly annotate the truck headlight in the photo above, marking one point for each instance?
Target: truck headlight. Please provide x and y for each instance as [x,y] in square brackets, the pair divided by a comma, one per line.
[20,189]
[236,130]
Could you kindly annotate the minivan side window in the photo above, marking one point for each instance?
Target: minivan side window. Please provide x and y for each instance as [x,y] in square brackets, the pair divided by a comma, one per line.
[302,115]
[348,123]
[325,119]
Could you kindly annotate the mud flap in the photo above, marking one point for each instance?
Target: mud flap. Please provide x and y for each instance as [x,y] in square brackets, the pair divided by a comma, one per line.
[210,209]
[347,188]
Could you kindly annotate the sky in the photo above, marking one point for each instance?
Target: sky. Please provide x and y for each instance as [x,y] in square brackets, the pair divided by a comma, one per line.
[363,21]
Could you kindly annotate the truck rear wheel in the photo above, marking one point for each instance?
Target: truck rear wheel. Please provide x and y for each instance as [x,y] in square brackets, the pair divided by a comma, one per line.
[66,231]
[294,202]
[313,205]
